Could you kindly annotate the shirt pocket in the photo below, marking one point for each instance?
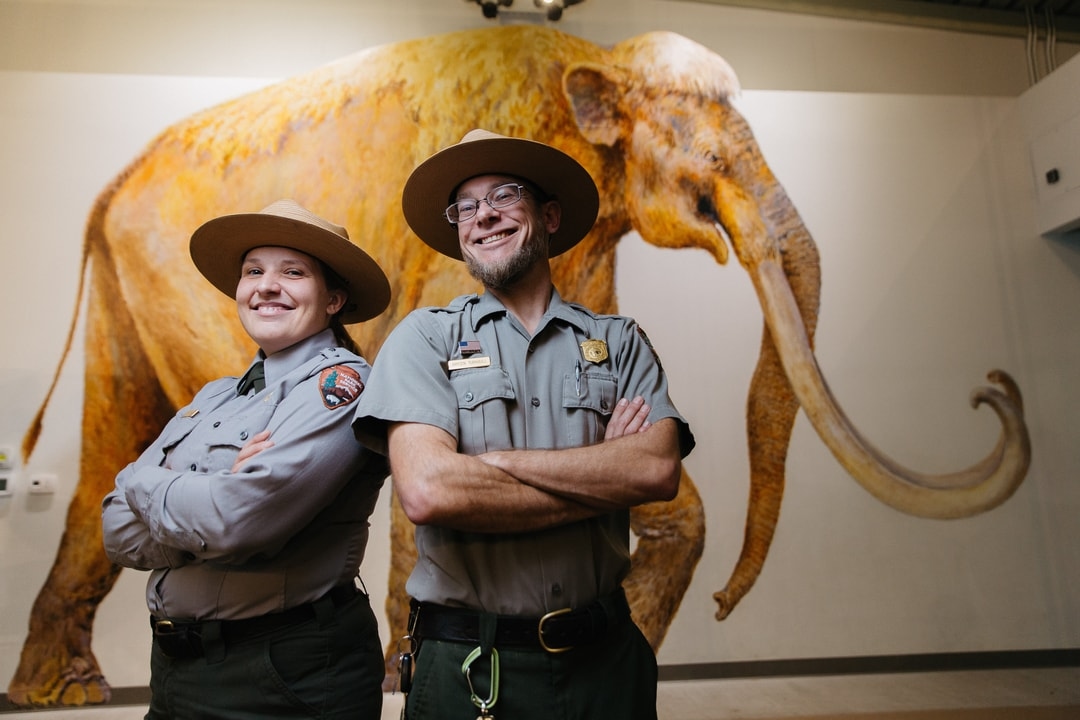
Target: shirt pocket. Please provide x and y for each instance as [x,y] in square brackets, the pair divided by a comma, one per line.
[224,437]
[484,396]
[588,400]
[177,429]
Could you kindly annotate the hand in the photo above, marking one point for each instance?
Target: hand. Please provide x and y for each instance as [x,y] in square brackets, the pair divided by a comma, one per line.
[258,443]
[628,417]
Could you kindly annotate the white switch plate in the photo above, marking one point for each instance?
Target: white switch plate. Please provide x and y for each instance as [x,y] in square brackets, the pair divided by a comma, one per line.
[42,484]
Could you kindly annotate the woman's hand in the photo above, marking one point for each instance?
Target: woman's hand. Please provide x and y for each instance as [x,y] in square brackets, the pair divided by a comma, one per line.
[259,442]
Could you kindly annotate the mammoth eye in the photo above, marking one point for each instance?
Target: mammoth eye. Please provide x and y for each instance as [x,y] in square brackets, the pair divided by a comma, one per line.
[716,161]
[706,208]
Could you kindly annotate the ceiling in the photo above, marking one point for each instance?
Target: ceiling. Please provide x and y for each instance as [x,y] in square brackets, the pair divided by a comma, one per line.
[1049,20]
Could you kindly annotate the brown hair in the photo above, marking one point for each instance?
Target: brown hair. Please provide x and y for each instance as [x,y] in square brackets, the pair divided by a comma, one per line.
[335,282]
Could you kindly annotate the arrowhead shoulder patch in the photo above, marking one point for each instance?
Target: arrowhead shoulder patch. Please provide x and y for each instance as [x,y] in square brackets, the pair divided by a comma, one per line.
[339,386]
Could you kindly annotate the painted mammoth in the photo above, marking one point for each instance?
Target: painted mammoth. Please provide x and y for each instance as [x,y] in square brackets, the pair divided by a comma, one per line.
[651,121]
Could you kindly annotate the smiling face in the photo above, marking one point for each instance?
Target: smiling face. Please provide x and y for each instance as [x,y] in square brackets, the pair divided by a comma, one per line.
[282,297]
[500,245]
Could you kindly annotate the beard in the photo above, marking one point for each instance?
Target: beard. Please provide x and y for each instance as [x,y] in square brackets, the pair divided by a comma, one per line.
[502,274]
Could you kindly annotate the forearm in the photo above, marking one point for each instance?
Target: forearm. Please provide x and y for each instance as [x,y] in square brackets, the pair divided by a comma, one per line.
[439,486]
[128,542]
[619,473]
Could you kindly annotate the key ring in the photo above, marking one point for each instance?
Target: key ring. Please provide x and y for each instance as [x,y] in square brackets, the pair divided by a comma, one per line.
[484,705]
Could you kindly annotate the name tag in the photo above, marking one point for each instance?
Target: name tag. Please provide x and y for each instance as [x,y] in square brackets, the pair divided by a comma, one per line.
[473,362]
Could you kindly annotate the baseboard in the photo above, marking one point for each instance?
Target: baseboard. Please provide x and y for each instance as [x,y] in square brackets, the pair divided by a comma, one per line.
[874,664]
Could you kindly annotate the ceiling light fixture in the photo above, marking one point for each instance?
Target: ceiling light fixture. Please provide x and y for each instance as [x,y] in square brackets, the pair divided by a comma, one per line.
[553,9]
[490,8]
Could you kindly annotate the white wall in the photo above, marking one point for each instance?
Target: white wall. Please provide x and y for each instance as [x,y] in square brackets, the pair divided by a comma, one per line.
[904,153]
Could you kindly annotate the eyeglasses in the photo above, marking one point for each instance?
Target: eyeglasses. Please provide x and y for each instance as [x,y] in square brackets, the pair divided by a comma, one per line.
[498,198]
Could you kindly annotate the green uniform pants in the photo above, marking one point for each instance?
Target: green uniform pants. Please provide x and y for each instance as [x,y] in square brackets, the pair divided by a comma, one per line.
[323,668]
[611,680]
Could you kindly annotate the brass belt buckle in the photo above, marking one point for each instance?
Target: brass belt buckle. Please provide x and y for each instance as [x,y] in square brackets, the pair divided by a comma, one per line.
[164,627]
[540,631]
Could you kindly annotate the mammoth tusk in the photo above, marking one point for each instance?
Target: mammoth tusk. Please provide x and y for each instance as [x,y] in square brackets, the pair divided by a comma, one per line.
[976,489]
[722,231]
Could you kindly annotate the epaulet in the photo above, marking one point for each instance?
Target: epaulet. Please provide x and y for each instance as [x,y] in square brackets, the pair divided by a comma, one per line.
[339,354]
[591,313]
[456,305]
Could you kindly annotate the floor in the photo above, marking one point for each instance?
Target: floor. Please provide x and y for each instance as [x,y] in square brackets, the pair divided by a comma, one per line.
[1031,694]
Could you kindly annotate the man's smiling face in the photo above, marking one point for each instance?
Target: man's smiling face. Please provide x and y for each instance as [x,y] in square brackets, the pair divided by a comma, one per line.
[500,244]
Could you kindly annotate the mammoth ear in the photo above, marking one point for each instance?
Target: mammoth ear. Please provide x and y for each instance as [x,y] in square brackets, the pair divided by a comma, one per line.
[594,92]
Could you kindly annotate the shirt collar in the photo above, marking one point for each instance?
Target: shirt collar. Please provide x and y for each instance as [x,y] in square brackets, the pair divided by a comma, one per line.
[488,305]
[285,361]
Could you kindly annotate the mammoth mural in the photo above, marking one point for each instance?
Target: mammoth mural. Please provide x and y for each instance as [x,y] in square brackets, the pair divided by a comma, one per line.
[650,119]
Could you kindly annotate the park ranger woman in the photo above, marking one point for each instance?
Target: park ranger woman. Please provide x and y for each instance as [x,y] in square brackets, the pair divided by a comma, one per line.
[250,510]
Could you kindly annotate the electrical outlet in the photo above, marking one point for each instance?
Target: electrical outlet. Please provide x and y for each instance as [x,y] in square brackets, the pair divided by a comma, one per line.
[42,484]
[5,485]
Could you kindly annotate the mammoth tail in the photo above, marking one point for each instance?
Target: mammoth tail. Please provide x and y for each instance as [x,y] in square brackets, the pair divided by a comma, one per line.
[33,432]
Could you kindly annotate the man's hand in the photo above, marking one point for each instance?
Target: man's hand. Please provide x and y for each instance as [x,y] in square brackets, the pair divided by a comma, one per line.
[628,417]
[258,443]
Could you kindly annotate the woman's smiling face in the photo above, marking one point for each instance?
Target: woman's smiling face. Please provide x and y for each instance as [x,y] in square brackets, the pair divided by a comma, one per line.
[282,297]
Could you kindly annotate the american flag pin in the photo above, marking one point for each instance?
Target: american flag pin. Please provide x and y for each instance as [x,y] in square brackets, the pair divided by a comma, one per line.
[469,347]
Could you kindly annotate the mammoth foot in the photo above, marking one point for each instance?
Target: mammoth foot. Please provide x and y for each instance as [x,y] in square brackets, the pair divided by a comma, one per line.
[57,666]
[79,683]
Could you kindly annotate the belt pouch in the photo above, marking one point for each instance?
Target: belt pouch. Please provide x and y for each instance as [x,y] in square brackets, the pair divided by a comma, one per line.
[212,642]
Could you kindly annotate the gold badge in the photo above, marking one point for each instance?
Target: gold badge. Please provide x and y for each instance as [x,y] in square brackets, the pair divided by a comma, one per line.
[595,351]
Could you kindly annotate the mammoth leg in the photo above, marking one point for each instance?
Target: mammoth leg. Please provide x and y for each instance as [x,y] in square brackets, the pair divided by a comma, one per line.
[671,538]
[123,410]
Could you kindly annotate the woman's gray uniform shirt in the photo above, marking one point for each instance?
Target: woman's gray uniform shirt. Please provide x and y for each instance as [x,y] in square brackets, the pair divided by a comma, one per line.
[472,369]
[286,528]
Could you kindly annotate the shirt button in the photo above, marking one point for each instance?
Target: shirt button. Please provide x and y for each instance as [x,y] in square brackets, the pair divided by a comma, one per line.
[468,397]
[194,467]
[217,424]
[556,589]
[536,402]
[243,435]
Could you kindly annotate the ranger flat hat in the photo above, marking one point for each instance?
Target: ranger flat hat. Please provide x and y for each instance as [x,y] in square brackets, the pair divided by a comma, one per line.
[218,247]
[428,190]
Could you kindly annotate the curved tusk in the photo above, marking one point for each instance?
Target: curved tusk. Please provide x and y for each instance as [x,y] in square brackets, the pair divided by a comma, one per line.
[722,231]
[979,488]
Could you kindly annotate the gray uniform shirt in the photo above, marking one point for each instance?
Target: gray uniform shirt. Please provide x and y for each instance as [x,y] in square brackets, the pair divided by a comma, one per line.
[472,369]
[286,528]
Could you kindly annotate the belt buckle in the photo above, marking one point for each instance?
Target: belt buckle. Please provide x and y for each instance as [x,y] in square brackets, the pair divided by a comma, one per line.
[540,631]
[164,627]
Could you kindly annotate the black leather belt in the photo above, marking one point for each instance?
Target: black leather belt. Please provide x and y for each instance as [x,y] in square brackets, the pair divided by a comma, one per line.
[555,632]
[182,639]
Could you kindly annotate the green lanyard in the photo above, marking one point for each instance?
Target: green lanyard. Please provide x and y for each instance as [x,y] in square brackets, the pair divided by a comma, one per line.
[484,705]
